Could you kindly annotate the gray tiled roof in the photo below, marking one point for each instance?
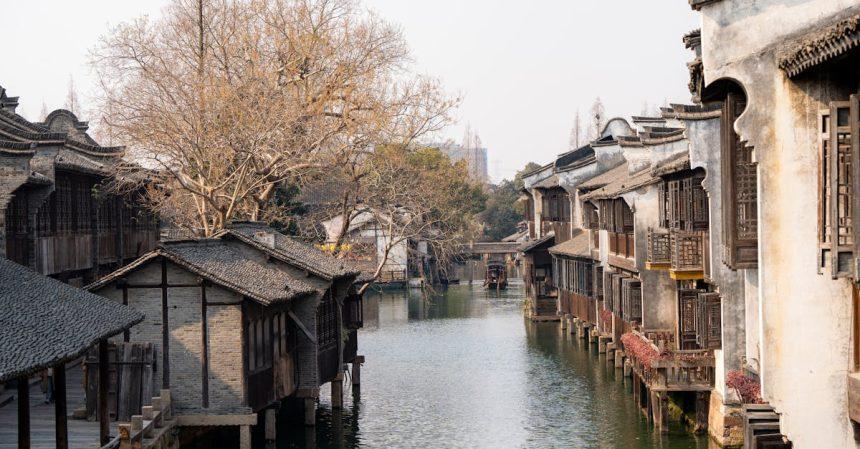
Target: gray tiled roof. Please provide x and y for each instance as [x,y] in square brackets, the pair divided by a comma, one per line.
[292,251]
[577,246]
[218,262]
[622,185]
[44,322]
[533,244]
[605,178]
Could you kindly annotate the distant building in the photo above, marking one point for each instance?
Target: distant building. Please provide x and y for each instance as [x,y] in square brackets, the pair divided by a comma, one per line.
[473,152]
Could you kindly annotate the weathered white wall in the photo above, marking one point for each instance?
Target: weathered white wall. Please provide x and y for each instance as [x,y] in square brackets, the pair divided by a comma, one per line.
[804,316]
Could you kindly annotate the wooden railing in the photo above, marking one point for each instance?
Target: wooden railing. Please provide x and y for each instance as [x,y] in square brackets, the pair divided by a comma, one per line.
[659,255]
[144,426]
[674,370]
[392,276]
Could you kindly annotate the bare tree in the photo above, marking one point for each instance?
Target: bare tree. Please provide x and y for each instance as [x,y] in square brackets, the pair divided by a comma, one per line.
[43,113]
[229,99]
[72,103]
[598,119]
[576,137]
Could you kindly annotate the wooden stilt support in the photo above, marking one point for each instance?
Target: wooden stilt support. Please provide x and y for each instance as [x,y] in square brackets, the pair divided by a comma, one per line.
[244,437]
[310,411]
[619,358]
[702,400]
[23,412]
[628,368]
[271,424]
[337,391]
[601,345]
[61,423]
[104,415]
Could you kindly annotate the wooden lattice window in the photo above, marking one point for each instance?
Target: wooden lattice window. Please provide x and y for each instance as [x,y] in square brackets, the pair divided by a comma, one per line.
[698,204]
[107,213]
[590,217]
[739,190]
[17,215]
[709,321]
[83,196]
[327,327]
[687,312]
[65,204]
[598,282]
[839,150]
[45,216]
[674,199]
[626,217]
[633,313]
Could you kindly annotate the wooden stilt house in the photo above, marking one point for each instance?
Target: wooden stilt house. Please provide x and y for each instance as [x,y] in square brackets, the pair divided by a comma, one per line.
[46,324]
[242,320]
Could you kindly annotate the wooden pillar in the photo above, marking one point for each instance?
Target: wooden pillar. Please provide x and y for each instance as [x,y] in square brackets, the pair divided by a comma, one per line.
[126,335]
[204,337]
[61,423]
[23,413]
[337,391]
[165,329]
[104,381]
[702,402]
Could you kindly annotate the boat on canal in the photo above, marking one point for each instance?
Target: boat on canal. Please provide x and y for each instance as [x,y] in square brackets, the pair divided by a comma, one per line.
[497,276]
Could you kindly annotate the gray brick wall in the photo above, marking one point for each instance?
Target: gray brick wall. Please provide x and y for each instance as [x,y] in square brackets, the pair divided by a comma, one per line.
[226,380]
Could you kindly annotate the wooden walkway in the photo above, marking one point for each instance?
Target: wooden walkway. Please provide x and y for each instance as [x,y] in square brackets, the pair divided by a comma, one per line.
[82,433]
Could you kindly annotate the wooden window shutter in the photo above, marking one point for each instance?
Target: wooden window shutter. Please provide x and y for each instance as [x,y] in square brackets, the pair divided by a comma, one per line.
[698,204]
[685,203]
[739,191]
[627,217]
[618,291]
[598,282]
[674,203]
[625,298]
[837,187]
[687,311]
[607,290]
[635,300]
[709,321]
[663,200]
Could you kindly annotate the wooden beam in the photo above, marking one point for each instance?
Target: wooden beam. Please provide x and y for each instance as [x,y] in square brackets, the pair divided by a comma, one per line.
[126,335]
[104,381]
[301,326]
[61,423]
[204,336]
[165,329]
[23,412]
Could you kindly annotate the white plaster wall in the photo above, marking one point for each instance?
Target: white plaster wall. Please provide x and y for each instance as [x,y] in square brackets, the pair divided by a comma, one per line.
[804,317]
[705,152]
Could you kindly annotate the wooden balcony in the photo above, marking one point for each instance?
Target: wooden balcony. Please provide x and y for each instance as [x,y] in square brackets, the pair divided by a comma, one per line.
[659,255]
[669,370]
[688,255]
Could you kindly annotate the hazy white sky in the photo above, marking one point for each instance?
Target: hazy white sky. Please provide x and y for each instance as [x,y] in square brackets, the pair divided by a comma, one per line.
[524,68]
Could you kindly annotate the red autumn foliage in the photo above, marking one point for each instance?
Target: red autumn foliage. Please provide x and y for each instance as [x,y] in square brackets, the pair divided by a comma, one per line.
[606,318]
[643,351]
[747,387]
[640,349]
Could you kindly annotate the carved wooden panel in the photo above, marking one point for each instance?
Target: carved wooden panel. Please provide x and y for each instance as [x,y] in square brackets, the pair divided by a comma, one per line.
[687,310]
[709,321]
[837,187]
[739,191]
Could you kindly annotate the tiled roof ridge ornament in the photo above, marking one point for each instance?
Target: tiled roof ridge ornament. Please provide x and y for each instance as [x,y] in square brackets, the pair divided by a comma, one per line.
[819,46]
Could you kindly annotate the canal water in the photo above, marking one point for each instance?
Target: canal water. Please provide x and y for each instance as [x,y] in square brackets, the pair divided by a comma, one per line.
[463,369]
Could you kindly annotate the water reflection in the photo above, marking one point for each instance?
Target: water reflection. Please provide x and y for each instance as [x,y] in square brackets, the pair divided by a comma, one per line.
[465,370]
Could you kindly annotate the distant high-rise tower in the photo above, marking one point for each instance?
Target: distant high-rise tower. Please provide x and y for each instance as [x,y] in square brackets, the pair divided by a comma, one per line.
[475,155]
